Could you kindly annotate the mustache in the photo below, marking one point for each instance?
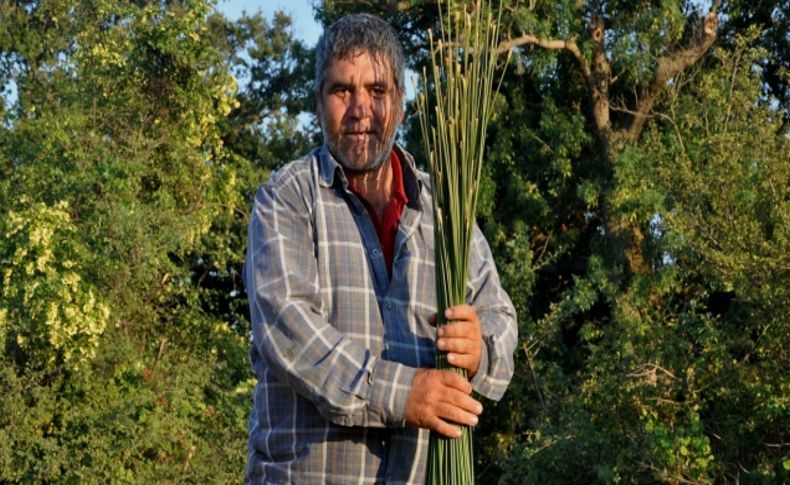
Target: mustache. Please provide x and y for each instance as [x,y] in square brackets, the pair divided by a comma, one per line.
[363,130]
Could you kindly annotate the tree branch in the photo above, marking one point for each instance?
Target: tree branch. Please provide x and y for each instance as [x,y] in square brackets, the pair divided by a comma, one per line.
[535,379]
[670,66]
[529,39]
[568,44]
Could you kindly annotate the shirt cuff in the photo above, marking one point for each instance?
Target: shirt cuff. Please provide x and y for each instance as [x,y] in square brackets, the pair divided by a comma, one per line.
[390,385]
[478,384]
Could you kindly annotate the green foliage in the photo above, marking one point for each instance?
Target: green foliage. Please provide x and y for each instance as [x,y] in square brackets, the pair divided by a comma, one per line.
[49,316]
[138,135]
[277,72]
[123,420]
[124,193]
[672,374]
[684,380]
[772,20]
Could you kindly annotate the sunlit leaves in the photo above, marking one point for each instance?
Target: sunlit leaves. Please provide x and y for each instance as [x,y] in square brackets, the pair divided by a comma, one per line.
[48,313]
[120,201]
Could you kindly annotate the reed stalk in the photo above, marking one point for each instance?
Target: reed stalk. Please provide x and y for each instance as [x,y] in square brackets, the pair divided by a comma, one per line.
[462,91]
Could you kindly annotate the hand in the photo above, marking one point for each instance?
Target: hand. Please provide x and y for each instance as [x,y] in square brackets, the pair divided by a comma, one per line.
[439,398]
[462,339]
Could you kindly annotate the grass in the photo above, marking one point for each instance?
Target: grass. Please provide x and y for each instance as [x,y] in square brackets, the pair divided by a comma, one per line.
[454,109]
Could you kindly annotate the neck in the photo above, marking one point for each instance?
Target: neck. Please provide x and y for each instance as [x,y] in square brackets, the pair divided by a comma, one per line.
[374,185]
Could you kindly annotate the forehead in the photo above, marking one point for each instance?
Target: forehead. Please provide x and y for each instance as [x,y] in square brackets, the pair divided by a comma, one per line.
[359,67]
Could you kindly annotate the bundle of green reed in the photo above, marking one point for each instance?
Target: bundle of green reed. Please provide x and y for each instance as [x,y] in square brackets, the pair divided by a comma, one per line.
[463,67]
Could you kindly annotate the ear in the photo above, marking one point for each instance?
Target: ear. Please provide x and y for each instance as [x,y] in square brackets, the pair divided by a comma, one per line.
[401,108]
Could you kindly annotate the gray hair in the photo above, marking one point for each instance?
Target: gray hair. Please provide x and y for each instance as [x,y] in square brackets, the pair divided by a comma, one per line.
[357,33]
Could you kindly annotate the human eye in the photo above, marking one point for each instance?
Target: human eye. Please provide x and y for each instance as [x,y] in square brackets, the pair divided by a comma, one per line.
[379,91]
[339,90]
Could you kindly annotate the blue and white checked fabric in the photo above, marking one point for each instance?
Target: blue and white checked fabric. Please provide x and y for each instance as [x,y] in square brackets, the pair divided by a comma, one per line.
[336,343]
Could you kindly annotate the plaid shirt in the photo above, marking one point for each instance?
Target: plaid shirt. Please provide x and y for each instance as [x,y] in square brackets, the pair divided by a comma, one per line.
[336,343]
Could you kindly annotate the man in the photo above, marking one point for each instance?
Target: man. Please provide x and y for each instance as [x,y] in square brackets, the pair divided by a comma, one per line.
[340,277]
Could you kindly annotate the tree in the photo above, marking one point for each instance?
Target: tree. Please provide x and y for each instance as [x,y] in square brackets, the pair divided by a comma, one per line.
[124,192]
[617,326]
[770,18]
[635,194]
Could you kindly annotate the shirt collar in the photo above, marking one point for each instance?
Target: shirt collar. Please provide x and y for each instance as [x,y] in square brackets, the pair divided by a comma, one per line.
[398,191]
[330,172]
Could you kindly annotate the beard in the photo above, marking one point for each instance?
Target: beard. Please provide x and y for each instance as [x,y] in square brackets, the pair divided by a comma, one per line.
[362,149]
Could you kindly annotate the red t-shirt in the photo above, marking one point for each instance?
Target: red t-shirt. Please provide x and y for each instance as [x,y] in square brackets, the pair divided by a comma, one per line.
[387,227]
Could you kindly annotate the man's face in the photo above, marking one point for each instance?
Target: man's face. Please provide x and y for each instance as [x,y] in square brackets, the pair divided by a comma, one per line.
[359,108]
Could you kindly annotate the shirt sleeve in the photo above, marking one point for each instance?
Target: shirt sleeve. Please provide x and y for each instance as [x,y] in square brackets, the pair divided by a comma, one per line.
[347,383]
[498,320]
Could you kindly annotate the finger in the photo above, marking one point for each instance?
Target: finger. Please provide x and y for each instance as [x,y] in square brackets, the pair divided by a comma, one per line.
[463,361]
[464,404]
[456,345]
[444,428]
[455,381]
[456,415]
[460,328]
[460,312]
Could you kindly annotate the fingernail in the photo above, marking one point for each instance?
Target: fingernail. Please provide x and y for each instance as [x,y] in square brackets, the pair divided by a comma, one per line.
[448,313]
[474,421]
[479,408]
[440,332]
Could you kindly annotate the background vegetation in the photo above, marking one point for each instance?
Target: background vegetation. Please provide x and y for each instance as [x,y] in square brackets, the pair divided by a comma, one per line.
[637,197]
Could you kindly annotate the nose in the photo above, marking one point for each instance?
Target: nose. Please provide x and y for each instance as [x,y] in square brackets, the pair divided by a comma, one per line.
[359,105]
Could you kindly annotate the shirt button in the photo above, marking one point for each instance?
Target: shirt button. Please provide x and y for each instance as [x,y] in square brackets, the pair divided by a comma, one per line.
[376,253]
[388,305]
